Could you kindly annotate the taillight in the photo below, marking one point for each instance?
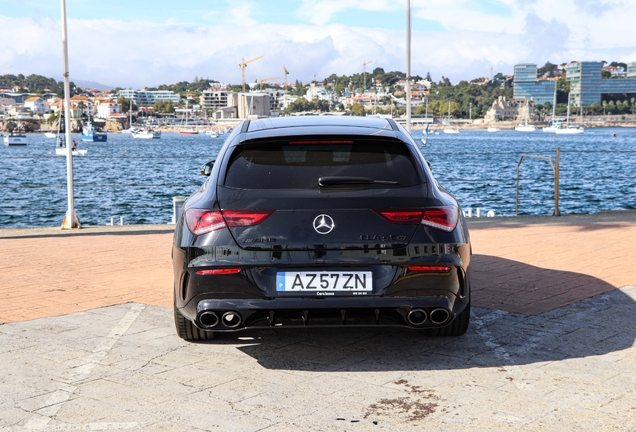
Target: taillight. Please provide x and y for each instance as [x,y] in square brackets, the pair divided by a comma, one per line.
[429,269]
[401,217]
[443,218]
[205,221]
[219,271]
[239,218]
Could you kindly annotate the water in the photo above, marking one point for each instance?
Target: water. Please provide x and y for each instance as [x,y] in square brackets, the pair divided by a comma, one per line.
[597,172]
[137,179]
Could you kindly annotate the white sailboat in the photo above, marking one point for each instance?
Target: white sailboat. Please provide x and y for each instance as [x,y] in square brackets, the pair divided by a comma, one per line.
[146,134]
[186,130]
[60,147]
[450,130]
[569,130]
[553,125]
[61,151]
[525,127]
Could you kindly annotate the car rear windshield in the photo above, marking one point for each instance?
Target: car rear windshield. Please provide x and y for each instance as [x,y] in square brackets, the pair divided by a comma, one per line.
[298,164]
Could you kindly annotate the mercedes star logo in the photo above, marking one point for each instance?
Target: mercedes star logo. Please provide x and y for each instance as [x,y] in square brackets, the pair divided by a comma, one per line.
[324,224]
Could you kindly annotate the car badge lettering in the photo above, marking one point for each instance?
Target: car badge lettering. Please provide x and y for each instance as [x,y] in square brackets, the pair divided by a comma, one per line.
[324,224]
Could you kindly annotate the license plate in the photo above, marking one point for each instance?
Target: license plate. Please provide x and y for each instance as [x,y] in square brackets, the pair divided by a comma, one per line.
[325,283]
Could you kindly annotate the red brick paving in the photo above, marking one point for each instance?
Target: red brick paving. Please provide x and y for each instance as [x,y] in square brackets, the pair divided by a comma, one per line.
[535,268]
[527,269]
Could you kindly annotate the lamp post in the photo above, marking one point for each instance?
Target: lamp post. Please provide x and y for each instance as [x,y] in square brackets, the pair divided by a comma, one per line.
[71,220]
[408,65]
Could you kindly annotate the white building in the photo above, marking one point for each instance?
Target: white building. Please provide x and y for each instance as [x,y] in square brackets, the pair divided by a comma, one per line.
[107,108]
[35,104]
[147,98]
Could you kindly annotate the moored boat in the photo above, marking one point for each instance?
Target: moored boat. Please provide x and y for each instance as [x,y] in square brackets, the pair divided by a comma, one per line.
[49,135]
[60,148]
[15,138]
[572,130]
[493,129]
[61,151]
[525,128]
[146,134]
[92,134]
[189,132]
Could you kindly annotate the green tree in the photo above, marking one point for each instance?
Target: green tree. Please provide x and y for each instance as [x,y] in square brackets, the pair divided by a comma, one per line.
[163,107]
[124,104]
[357,109]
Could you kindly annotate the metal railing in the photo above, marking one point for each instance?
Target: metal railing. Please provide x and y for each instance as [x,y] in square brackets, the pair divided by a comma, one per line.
[555,171]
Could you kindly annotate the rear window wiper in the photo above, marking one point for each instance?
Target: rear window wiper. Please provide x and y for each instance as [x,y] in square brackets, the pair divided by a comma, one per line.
[341,180]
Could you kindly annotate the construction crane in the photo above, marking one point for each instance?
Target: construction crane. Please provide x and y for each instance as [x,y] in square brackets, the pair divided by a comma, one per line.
[243,65]
[364,68]
[286,73]
[261,81]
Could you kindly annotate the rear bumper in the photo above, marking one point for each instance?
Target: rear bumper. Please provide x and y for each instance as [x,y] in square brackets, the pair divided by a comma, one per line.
[413,312]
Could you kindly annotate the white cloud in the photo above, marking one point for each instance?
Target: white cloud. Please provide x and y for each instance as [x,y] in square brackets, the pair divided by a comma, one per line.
[141,53]
[320,12]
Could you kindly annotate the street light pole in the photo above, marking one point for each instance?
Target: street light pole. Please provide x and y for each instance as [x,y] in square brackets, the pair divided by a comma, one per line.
[408,65]
[71,220]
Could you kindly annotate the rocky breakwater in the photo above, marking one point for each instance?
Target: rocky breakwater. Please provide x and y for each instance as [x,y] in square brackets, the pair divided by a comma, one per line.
[114,125]
[28,126]
[35,126]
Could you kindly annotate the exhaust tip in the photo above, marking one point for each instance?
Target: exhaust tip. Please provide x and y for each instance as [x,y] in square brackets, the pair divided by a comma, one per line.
[440,316]
[231,319]
[208,319]
[416,317]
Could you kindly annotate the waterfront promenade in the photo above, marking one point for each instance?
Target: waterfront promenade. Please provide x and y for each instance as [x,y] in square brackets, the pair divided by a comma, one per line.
[87,342]
[528,265]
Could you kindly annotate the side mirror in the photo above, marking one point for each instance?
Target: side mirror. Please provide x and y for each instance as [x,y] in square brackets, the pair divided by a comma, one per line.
[206,169]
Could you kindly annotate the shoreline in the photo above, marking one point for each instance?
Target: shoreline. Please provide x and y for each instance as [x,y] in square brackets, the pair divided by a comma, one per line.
[603,216]
[432,127]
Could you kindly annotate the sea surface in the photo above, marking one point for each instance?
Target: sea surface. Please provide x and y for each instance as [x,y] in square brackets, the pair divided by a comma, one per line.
[137,179]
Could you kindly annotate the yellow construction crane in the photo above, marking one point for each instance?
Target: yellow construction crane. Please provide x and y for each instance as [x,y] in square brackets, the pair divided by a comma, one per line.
[243,65]
[364,68]
[286,73]
[261,81]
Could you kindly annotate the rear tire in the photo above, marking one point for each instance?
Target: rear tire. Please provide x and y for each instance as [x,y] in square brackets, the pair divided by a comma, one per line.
[457,328]
[188,331]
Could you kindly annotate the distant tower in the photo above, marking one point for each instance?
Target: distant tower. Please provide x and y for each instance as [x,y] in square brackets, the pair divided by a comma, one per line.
[491,70]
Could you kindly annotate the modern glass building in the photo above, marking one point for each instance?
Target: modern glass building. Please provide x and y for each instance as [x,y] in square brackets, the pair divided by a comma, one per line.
[526,85]
[587,86]
[142,97]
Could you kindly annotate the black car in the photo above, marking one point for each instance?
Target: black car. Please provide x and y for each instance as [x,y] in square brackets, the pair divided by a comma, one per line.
[320,221]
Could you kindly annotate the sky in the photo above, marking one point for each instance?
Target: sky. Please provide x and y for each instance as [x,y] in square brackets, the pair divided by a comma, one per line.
[145,43]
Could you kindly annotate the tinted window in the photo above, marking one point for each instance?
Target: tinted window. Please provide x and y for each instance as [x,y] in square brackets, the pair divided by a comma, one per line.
[299,164]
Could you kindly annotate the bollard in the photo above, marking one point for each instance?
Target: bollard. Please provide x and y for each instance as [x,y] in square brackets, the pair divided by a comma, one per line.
[121,220]
[177,205]
[112,221]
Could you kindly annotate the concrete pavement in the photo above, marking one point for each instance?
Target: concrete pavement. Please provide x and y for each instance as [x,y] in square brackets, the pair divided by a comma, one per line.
[91,345]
